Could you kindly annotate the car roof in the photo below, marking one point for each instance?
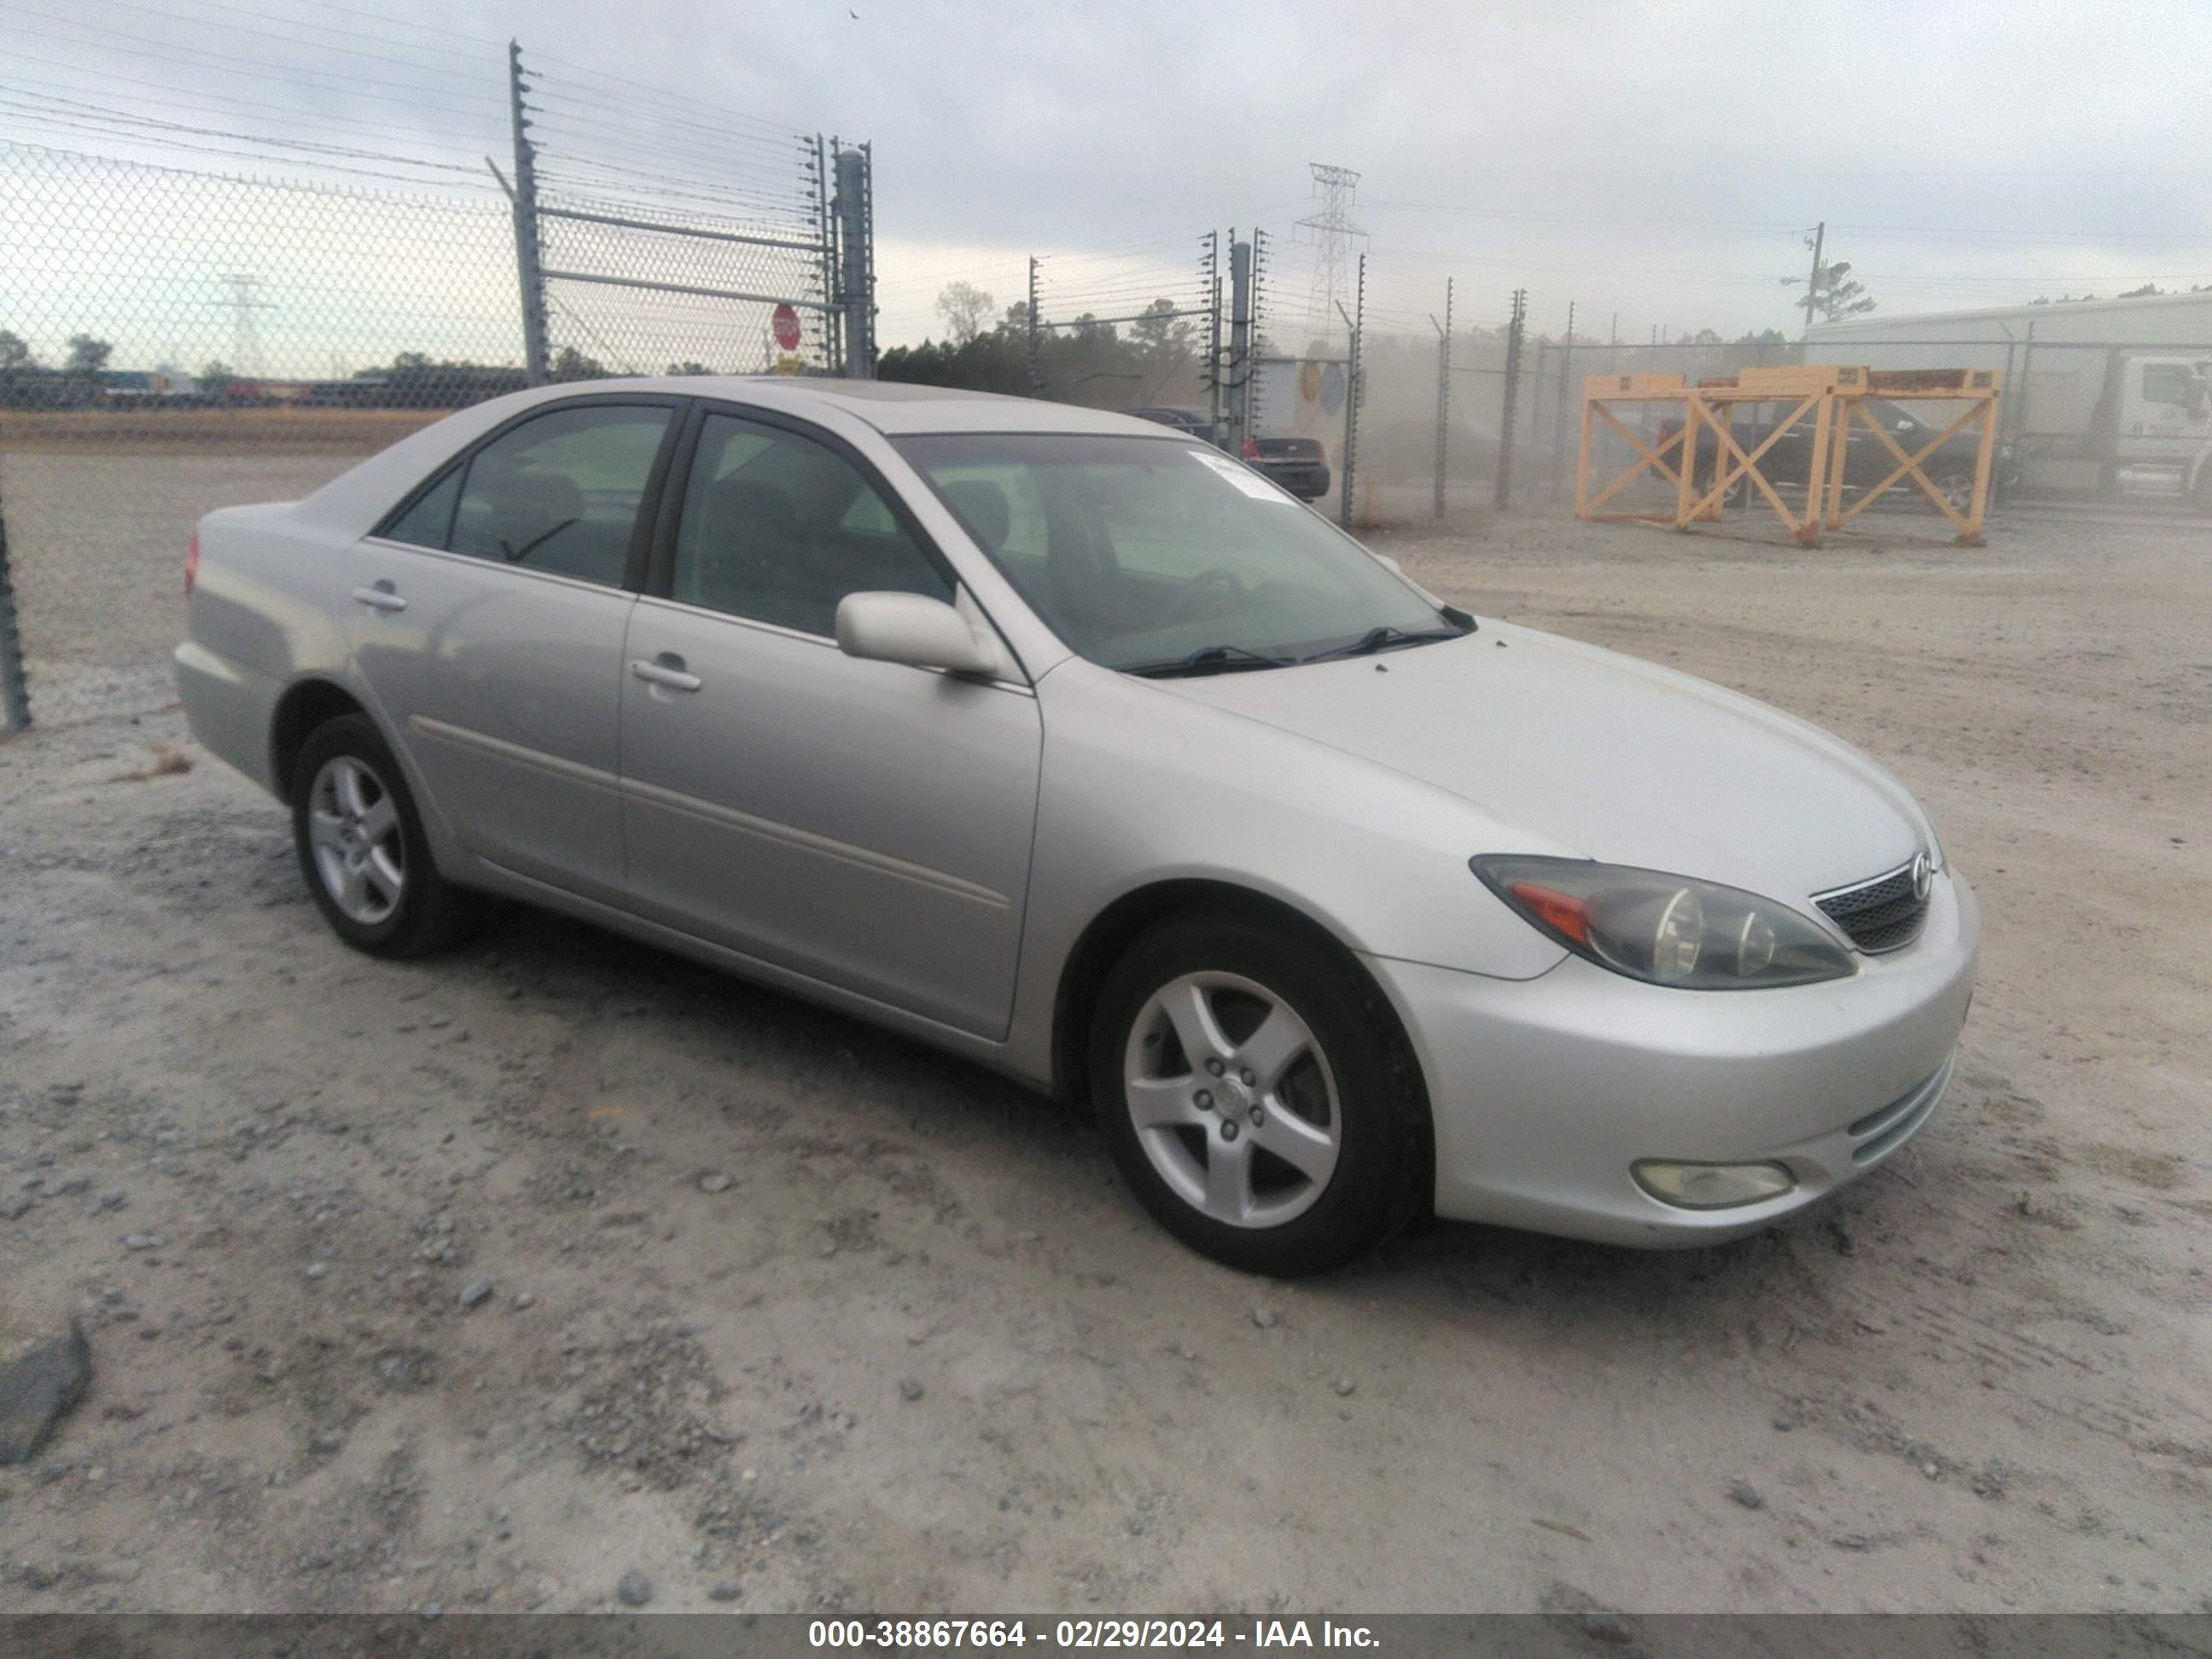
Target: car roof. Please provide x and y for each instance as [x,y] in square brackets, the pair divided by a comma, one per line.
[893,408]
[360,497]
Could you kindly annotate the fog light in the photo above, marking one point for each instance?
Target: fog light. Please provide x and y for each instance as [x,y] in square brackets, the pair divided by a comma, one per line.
[1711,1186]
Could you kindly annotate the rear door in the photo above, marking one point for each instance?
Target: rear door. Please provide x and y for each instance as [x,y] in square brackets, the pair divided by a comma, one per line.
[488,616]
[864,823]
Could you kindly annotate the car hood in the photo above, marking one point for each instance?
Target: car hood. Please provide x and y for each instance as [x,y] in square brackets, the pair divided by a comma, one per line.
[1626,762]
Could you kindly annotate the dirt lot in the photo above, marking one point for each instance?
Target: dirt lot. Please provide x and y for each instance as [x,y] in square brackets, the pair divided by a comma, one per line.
[781,1310]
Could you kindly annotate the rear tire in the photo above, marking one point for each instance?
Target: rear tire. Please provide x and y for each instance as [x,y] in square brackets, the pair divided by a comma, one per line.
[1258,1096]
[361,848]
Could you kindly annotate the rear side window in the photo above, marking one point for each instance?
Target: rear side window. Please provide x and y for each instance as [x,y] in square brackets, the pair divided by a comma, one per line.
[560,493]
[429,522]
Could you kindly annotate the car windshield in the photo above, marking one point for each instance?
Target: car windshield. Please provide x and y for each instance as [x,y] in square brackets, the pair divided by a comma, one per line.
[1156,554]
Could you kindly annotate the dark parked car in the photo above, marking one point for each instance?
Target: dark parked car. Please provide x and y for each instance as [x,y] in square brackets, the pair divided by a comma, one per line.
[1195,421]
[1295,464]
[1867,459]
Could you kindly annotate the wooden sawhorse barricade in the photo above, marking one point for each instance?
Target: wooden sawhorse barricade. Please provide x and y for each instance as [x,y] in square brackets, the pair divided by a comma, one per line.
[1830,396]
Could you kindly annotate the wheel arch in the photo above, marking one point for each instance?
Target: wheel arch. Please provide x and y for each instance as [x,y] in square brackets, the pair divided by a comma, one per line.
[306,704]
[1114,928]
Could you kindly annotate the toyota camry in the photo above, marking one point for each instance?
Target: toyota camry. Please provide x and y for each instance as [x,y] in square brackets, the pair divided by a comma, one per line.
[1069,744]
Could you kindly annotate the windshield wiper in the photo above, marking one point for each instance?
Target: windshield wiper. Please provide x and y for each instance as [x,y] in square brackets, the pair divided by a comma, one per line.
[1376,639]
[1209,659]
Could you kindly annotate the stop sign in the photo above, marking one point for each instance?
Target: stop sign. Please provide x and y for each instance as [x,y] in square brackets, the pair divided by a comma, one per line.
[787,327]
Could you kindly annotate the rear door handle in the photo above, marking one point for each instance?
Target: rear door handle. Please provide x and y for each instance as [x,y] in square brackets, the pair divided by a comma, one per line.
[666,670]
[381,597]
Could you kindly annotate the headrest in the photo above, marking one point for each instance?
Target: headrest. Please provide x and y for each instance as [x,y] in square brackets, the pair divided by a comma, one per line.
[740,507]
[981,506]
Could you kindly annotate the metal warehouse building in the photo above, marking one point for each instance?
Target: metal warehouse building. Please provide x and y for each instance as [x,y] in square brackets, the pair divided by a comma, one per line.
[2057,360]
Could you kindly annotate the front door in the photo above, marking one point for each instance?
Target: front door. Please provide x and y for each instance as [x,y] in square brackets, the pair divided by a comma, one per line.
[488,621]
[864,823]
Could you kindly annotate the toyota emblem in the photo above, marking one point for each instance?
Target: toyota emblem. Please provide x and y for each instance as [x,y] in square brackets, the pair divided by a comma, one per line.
[1924,877]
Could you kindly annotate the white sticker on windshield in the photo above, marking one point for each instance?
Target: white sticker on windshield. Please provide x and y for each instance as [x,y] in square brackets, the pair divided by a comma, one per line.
[1257,488]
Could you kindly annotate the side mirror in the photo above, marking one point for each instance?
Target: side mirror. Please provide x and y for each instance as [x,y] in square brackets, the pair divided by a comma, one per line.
[914,630]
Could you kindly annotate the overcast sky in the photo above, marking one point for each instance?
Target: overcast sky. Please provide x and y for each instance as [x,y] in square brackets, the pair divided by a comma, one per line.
[1657,162]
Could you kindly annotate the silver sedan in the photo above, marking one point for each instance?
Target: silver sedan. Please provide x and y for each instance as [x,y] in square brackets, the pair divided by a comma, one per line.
[1073,746]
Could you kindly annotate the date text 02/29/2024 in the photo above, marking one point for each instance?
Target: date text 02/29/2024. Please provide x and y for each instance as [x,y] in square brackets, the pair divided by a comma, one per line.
[901,1634]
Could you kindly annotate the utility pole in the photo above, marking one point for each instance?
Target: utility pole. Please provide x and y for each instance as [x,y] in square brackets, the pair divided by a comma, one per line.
[1506,415]
[856,284]
[529,267]
[1212,266]
[1036,372]
[825,227]
[1813,283]
[1356,322]
[1237,411]
[1443,390]
[1559,408]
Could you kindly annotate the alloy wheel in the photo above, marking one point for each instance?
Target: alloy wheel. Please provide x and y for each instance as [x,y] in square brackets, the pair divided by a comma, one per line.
[1232,1099]
[352,826]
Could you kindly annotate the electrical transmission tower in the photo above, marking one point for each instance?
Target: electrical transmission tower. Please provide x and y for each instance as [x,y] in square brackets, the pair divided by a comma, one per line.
[245,330]
[1331,231]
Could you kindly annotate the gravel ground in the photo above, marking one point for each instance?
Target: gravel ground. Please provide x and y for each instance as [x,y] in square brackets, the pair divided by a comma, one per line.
[484,1282]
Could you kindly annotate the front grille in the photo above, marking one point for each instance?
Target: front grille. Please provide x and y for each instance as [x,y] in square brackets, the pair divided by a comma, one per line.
[1878,915]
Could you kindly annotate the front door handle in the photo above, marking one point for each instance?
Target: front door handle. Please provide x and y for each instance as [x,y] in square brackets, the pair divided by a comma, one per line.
[665,670]
[381,597]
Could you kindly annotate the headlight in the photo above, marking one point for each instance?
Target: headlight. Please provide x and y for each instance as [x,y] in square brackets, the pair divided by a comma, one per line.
[1668,929]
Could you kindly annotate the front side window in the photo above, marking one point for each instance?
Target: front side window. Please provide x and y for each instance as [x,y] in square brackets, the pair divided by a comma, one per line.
[779,528]
[1138,550]
[560,493]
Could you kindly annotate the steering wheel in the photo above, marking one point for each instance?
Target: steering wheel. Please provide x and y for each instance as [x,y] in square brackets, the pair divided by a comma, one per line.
[1207,594]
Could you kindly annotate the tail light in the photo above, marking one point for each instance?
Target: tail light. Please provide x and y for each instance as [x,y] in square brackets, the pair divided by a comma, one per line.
[192,563]
[1251,449]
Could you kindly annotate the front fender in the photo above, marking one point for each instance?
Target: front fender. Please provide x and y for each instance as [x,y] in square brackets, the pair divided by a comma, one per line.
[1135,792]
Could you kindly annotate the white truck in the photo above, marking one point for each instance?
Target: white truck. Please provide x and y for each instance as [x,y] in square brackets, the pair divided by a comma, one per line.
[2152,429]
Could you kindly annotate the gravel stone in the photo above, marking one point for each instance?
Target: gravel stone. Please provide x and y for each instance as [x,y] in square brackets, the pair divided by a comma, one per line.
[1345,1385]
[726,1593]
[634,1589]
[38,1387]
[1746,1494]
[475,1293]
[714,1182]
[911,1389]
[1264,1318]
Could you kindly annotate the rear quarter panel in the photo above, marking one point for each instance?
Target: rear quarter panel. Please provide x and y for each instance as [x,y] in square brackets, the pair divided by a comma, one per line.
[263,615]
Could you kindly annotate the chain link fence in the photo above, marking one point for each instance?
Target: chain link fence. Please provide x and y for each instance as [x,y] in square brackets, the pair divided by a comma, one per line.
[770,271]
[174,339]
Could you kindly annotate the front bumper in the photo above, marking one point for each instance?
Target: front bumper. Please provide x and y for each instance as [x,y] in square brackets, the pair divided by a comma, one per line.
[1545,1091]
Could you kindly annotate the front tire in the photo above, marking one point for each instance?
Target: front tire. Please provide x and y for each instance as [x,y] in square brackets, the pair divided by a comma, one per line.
[1258,1096]
[361,848]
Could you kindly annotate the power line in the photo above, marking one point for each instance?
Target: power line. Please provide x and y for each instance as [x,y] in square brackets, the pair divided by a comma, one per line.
[77,109]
